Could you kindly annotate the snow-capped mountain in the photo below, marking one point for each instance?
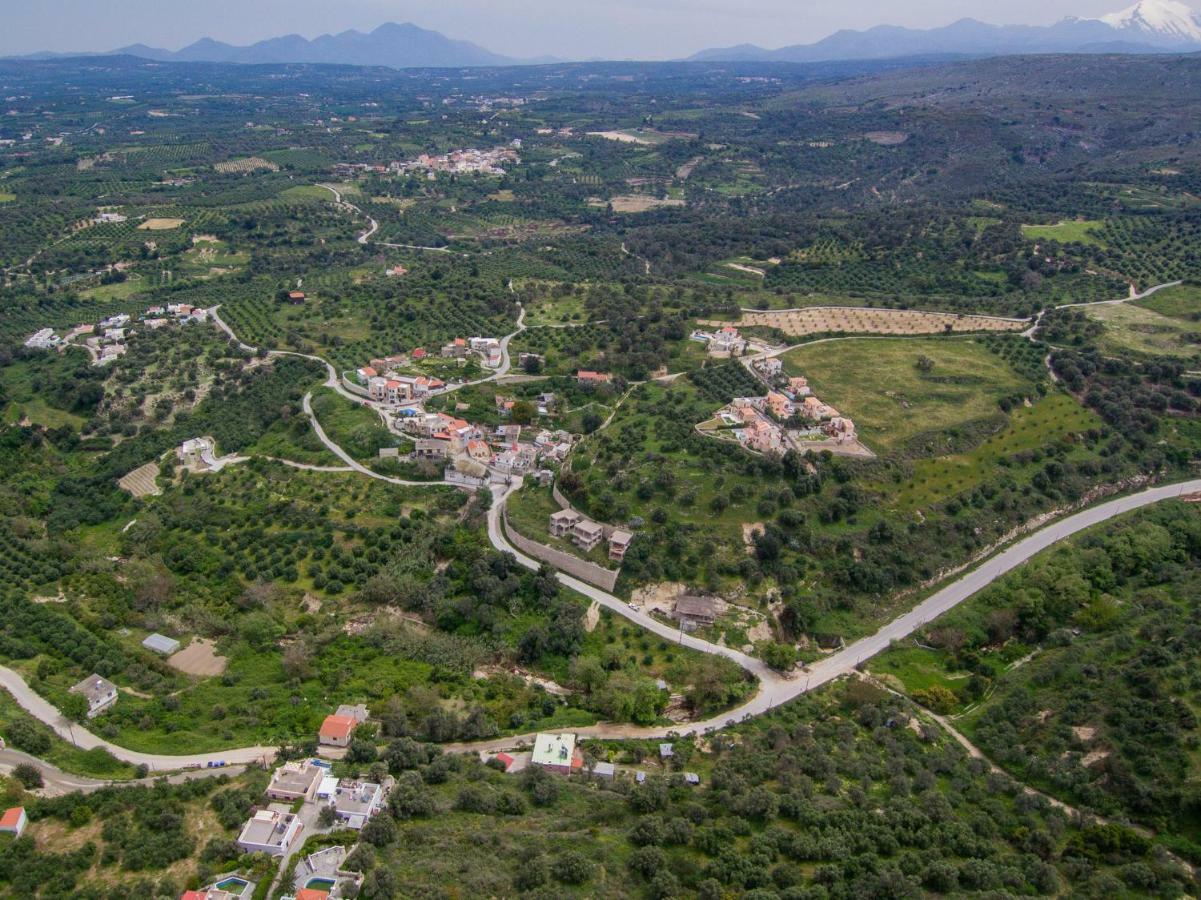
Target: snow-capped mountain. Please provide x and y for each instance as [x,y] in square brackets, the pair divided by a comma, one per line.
[1150,26]
[1169,19]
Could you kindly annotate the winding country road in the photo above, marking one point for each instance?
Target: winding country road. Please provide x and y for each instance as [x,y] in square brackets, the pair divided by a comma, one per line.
[351,462]
[55,781]
[774,688]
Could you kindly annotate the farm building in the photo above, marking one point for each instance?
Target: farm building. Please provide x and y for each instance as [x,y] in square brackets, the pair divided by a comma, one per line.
[14,821]
[693,610]
[160,643]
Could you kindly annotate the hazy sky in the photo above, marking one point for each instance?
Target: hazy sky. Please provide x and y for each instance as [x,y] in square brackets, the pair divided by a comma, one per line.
[616,29]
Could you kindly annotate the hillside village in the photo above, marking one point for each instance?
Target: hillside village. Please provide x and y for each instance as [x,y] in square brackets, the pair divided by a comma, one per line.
[105,341]
[787,417]
[457,162]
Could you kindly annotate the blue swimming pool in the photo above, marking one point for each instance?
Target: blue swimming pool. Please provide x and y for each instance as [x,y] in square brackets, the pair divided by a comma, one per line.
[233,885]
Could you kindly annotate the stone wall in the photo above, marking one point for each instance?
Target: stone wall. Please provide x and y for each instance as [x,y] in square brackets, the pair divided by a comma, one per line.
[353,386]
[563,561]
[558,495]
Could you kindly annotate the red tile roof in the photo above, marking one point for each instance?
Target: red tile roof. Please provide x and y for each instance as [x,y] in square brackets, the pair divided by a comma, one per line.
[11,817]
[337,727]
[311,894]
[506,759]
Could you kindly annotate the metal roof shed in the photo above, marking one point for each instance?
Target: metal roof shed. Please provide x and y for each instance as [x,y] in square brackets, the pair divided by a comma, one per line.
[160,643]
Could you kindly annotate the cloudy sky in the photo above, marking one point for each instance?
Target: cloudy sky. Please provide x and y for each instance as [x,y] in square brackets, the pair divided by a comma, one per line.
[647,29]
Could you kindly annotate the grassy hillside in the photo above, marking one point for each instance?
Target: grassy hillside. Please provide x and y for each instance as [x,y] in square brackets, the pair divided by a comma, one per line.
[1077,673]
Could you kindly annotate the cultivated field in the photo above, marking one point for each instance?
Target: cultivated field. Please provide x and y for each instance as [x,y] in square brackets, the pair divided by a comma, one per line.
[623,137]
[826,319]
[887,138]
[1052,419]
[245,166]
[878,383]
[636,203]
[198,658]
[160,224]
[140,482]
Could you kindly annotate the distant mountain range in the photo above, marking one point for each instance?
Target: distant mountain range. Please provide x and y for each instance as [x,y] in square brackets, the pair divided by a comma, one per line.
[1147,27]
[397,46]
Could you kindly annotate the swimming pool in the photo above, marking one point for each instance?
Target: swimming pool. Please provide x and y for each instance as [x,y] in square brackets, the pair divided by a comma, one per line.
[321,884]
[233,885]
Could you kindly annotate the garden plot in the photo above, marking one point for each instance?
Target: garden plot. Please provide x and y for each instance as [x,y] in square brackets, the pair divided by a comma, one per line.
[160,224]
[245,166]
[850,320]
[141,481]
[637,203]
[198,658]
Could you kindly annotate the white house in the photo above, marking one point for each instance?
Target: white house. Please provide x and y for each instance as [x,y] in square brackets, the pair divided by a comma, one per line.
[45,339]
[355,802]
[269,831]
[100,693]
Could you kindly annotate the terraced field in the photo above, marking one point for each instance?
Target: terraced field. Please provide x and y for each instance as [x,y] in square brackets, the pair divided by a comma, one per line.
[844,320]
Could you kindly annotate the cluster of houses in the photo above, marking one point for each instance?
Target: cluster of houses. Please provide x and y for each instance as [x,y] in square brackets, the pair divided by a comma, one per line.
[484,162]
[395,389]
[759,423]
[320,875]
[299,790]
[106,339]
[487,348]
[587,535]
[440,436]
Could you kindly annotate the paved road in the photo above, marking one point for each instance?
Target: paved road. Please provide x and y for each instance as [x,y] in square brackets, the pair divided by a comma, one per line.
[56,781]
[353,463]
[41,709]
[500,494]
[775,689]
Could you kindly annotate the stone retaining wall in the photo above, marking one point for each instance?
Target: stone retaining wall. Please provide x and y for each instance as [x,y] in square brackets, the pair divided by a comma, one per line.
[590,572]
[353,386]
